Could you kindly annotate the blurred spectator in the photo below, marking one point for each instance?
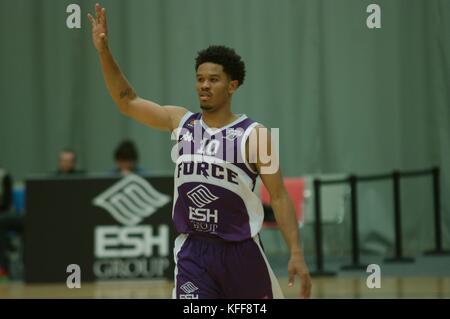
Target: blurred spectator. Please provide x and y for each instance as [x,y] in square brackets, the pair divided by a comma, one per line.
[5,191]
[8,220]
[67,163]
[126,157]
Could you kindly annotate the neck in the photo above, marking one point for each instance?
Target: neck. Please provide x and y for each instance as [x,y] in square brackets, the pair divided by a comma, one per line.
[219,118]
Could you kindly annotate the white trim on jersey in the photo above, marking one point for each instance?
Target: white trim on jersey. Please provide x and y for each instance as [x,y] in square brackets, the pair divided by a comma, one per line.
[179,242]
[243,141]
[276,289]
[184,118]
[181,124]
[217,130]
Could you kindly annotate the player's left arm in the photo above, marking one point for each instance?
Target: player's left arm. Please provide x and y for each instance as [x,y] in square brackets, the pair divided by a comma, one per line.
[265,158]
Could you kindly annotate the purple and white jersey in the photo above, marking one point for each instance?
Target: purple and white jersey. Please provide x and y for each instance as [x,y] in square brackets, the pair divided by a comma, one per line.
[214,184]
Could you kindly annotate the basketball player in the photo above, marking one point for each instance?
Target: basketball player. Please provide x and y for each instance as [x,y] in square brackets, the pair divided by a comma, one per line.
[216,212]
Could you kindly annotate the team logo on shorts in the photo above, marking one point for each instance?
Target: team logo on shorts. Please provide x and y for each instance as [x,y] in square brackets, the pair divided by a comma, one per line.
[131,199]
[188,289]
[201,196]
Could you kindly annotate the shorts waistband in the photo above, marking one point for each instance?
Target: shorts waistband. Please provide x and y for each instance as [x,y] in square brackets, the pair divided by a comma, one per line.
[215,239]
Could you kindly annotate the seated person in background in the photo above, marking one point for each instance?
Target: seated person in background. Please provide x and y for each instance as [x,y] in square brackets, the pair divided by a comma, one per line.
[67,163]
[126,157]
[8,220]
[5,191]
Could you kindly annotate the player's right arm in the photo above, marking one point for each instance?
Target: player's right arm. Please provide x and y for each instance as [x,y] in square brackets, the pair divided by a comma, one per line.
[147,112]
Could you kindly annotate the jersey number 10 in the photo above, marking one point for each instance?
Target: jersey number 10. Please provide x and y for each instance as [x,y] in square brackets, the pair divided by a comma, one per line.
[208,147]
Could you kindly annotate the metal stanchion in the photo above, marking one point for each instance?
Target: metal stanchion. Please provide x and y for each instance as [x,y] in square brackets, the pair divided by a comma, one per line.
[398,257]
[438,250]
[355,265]
[318,233]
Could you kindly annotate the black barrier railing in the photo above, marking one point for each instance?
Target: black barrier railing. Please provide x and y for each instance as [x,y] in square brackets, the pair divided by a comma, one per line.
[438,250]
[398,257]
[318,233]
[354,227]
[353,181]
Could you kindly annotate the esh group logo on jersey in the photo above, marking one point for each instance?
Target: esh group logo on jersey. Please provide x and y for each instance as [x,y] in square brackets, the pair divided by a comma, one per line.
[129,250]
[203,219]
[201,196]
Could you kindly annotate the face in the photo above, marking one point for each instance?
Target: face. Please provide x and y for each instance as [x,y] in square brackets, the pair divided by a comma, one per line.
[214,87]
[66,162]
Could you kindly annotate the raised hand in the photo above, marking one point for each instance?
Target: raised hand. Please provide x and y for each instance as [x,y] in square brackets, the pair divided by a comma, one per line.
[99,28]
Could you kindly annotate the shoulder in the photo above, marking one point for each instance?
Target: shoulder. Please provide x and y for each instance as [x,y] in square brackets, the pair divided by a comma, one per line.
[259,131]
[260,142]
[179,115]
[189,120]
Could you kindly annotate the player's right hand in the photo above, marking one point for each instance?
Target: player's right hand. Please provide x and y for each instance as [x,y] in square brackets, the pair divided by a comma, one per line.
[99,28]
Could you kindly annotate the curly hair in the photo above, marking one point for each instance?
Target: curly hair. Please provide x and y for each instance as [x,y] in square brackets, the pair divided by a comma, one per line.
[230,61]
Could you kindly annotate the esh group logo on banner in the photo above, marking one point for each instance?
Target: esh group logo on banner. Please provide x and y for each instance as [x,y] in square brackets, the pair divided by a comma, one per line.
[131,200]
[130,250]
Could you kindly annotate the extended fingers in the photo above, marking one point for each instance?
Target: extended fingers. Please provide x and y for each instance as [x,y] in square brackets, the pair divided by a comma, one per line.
[102,17]
[100,14]
[98,11]
[91,19]
[306,286]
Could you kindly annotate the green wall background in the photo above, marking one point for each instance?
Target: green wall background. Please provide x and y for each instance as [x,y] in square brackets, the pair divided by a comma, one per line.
[347,99]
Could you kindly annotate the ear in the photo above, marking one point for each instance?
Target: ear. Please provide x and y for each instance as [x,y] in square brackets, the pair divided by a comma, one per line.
[232,86]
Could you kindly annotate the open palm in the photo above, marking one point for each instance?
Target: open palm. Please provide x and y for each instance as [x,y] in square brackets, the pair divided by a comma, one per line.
[99,28]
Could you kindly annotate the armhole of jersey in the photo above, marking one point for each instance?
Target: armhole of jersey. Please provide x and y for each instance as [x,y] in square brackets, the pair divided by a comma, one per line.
[243,142]
[182,122]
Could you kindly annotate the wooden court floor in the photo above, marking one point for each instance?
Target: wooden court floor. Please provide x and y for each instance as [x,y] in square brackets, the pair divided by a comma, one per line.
[323,288]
